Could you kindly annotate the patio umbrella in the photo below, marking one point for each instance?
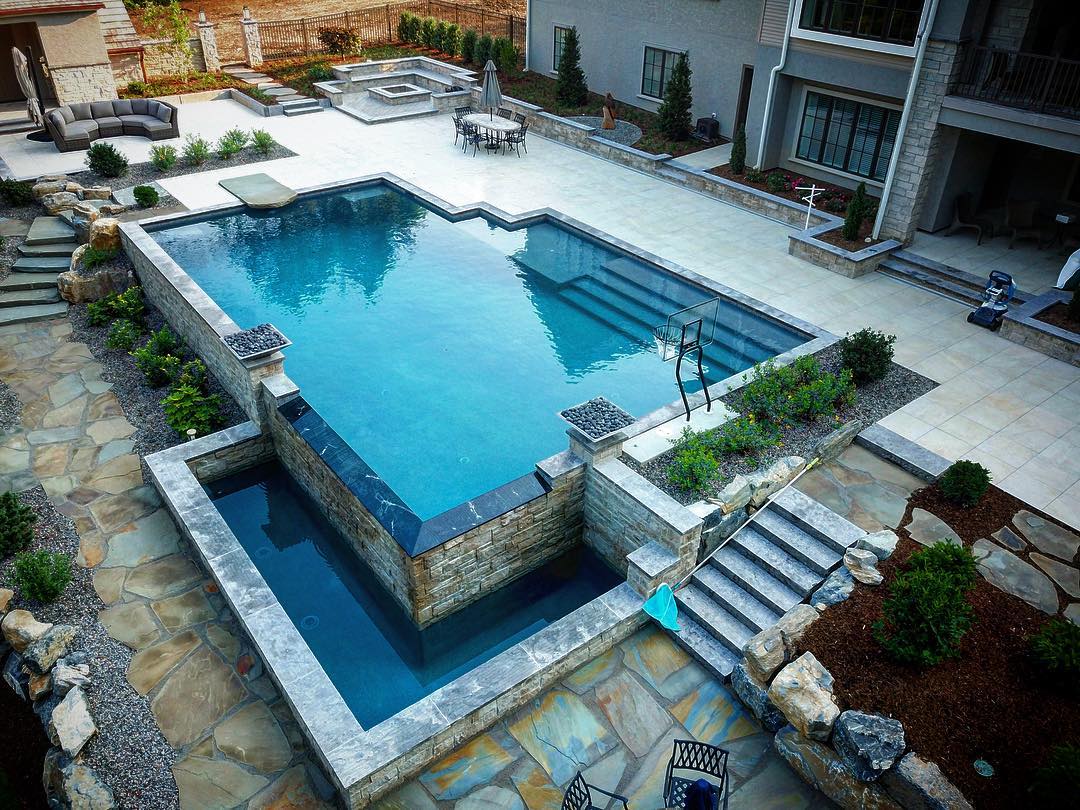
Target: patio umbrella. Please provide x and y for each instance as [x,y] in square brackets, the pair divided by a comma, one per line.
[490,94]
[22,74]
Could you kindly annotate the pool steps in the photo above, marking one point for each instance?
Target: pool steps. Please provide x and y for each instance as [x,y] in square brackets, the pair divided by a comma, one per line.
[762,572]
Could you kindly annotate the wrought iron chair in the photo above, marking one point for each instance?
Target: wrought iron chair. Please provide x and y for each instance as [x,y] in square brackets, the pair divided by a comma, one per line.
[471,135]
[459,128]
[516,138]
[578,796]
[461,112]
[701,760]
[519,117]
[504,113]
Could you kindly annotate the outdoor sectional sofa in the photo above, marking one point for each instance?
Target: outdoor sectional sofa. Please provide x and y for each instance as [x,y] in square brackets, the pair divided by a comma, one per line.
[74,126]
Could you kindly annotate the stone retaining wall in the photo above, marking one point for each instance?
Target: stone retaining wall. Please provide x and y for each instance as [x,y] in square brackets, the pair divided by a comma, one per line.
[162,57]
[1021,326]
[851,264]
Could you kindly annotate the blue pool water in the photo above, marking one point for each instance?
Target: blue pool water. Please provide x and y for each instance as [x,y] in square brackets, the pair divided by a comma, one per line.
[375,656]
[442,352]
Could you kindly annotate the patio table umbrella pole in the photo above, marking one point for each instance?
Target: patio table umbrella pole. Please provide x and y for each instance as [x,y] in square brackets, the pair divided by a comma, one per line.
[490,94]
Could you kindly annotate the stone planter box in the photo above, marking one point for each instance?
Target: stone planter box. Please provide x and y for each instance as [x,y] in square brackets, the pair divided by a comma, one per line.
[851,264]
[1021,326]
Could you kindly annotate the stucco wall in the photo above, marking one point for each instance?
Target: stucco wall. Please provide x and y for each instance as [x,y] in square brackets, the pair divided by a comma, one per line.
[72,40]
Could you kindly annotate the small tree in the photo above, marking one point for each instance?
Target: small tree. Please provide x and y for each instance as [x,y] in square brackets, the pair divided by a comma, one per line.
[572,88]
[737,161]
[856,213]
[674,113]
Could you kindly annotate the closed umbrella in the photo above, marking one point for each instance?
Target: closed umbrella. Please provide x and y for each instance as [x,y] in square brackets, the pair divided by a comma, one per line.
[22,74]
[490,94]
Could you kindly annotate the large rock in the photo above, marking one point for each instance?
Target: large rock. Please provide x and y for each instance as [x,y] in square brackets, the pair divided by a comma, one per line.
[734,496]
[834,444]
[1048,537]
[869,743]
[97,193]
[43,653]
[927,528]
[1008,572]
[83,216]
[6,595]
[774,646]
[15,676]
[774,478]
[72,786]
[821,767]
[920,785]
[71,725]
[803,692]
[82,287]
[48,185]
[105,233]
[863,566]
[882,544]
[66,677]
[59,202]
[754,693]
[21,629]
[836,588]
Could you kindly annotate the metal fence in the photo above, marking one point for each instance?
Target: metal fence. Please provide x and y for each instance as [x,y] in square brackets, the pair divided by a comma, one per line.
[1024,80]
[282,39]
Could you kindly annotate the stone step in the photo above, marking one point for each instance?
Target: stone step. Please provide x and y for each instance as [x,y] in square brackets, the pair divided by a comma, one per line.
[918,278]
[775,561]
[17,126]
[913,457]
[57,249]
[291,111]
[41,264]
[796,542]
[32,312]
[768,590]
[720,624]
[714,656]
[817,520]
[18,298]
[953,275]
[734,599]
[28,281]
[49,231]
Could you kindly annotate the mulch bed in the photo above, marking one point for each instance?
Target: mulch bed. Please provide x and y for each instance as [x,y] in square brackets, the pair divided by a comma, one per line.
[836,237]
[140,173]
[994,510]
[990,703]
[21,755]
[1058,315]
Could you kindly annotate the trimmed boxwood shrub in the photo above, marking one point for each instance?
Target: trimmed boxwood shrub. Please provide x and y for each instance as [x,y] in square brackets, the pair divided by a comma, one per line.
[867,354]
[1055,650]
[965,482]
[41,575]
[106,160]
[16,524]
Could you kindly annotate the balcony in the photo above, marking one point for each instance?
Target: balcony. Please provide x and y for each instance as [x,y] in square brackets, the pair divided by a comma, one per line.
[1025,81]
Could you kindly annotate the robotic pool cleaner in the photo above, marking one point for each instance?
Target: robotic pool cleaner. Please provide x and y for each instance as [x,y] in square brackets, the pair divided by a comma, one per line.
[999,290]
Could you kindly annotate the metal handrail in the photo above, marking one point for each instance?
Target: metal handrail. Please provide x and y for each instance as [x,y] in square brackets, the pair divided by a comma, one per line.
[1027,81]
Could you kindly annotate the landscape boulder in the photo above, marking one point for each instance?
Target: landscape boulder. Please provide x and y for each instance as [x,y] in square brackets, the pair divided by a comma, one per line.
[754,694]
[66,677]
[918,784]
[863,566]
[83,216]
[78,286]
[803,692]
[15,676]
[836,588]
[70,785]
[59,202]
[70,724]
[39,686]
[774,646]
[882,544]
[105,233]
[773,478]
[21,629]
[869,743]
[6,595]
[734,496]
[48,185]
[832,445]
[43,653]
[97,193]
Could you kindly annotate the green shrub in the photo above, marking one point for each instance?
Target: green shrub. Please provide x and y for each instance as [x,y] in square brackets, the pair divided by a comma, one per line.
[340,41]
[766,391]
[1055,650]
[745,437]
[867,354]
[1058,778]
[439,35]
[146,196]
[950,560]
[164,342]
[187,407]
[755,175]
[484,47]
[231,143]
[468,45]
[16,524]
[451,44]
[405,26]
[95,257]
[263,141]
[427,32]
[775,182]
[106,160]
[16,192]
[737,159]
[674,114]
[693,467]
[163,158]
[41,576]
[196,150]
[965,482]
[924,618]
[158,369]
[321,72]
[822,397]
[505,55]
[127,305]
[193,373]
[140,89]
[122,335]
[857,209]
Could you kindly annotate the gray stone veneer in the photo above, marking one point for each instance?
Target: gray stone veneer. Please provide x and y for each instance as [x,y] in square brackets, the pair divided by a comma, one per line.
[1021,326]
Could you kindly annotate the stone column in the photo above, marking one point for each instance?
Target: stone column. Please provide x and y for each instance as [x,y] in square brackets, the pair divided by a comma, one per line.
[208,40]
[252,43]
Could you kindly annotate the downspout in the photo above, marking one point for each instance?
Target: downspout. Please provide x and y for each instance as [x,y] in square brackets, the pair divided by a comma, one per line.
[905,116]
[528,25]
[772,83]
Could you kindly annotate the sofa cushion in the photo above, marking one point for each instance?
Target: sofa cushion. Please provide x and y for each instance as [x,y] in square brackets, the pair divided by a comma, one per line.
[101,109]
[66,113]
[81,111]
[139,124]
[57,120]
[162,111]
[109,126]
[84,127]
[138,106]
[122,107]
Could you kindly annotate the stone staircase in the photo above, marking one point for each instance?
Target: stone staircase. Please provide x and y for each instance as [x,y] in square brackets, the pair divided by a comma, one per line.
[29,292]
[291,102]
[758,575]
[958,285]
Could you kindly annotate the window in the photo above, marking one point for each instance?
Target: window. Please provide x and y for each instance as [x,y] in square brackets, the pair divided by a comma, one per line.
[556,54]
[895,21]
[847,135]
[659,65]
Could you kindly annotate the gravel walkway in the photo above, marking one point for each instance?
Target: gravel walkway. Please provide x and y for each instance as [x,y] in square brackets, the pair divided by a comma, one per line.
[129,752]
[10,408]
[875,401]
[140,173]
[625,133]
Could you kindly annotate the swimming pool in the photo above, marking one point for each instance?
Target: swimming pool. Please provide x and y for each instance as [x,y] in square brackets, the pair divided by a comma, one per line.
[441,352]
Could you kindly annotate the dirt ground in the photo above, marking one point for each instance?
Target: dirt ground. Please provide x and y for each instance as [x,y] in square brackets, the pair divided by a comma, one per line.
[226,13]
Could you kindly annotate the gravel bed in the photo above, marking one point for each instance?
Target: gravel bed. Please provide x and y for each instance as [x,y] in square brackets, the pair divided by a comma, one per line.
[625,133]
[143,173]
[9,252]
[10,408]
[129,752]
[875,401]
[256,341]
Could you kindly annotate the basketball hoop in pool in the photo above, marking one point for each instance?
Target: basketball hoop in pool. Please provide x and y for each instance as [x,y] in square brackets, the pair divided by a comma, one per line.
[686,331]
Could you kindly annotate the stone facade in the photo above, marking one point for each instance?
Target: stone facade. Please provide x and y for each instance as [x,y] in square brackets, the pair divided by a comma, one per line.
[84,83]
[252,43]
[162,57]
[850,264]
[126,68]
[208,43]
[1007,24]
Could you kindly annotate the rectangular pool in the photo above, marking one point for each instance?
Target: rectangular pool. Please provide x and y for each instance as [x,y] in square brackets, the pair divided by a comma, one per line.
[441,352]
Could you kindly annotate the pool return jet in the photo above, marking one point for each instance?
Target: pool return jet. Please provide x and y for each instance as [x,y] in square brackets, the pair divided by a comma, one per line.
[686,331]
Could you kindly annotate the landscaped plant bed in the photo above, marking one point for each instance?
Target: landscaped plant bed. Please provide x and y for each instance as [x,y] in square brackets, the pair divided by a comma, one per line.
[989,703]
[864,240]
[295,73]
[1058,315]
[179,85]
[875,400]
[128,751]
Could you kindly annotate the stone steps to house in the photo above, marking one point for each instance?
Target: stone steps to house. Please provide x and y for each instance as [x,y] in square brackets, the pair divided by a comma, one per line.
[41,264]
[32,312]
[18,298]
[703,646]
[28,281]
[300,106]
[17,126]
[57,249]
[759,549]
[49,231]
[797,542]
[755,580]
[950,282]
[709,614]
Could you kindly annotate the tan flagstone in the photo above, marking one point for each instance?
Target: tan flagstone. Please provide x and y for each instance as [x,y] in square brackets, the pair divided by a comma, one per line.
[114,511]
[117,475]
[195,696]
[164,577]
[225,642]
[184,610]
[292,791]
[147,539]
[70,415]
[130,623]
[205,783]
[104,406]
[50,459]
[253,737]
[92,547]
[109,583]
[82,459]
[150,665]
[106,430]
[59,485]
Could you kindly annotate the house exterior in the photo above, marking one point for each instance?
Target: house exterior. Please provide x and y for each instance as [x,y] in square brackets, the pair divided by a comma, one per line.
[991,89]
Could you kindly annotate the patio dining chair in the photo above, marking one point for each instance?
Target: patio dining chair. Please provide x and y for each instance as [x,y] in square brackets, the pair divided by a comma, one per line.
[461,112]
[692,760]
[519,117]
[504,113]
[965,219]
[578,796]
[516,138]
[471,135]
[1020,220]
[459,128]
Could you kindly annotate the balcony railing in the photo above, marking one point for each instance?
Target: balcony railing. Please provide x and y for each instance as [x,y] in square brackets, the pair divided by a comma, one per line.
[1027,81]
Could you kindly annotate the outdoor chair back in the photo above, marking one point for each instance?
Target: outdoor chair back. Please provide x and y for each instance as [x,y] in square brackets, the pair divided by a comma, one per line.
[519,117]
[516,138]
[578,796]
[471,136]
[694,760]
[504,113]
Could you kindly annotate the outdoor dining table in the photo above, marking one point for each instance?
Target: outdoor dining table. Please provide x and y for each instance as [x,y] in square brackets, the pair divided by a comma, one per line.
[494,125]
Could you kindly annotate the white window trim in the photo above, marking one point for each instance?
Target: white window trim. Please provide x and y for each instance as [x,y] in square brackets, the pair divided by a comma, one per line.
[797,32]
[641,71]
[821,167]
[554,70]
